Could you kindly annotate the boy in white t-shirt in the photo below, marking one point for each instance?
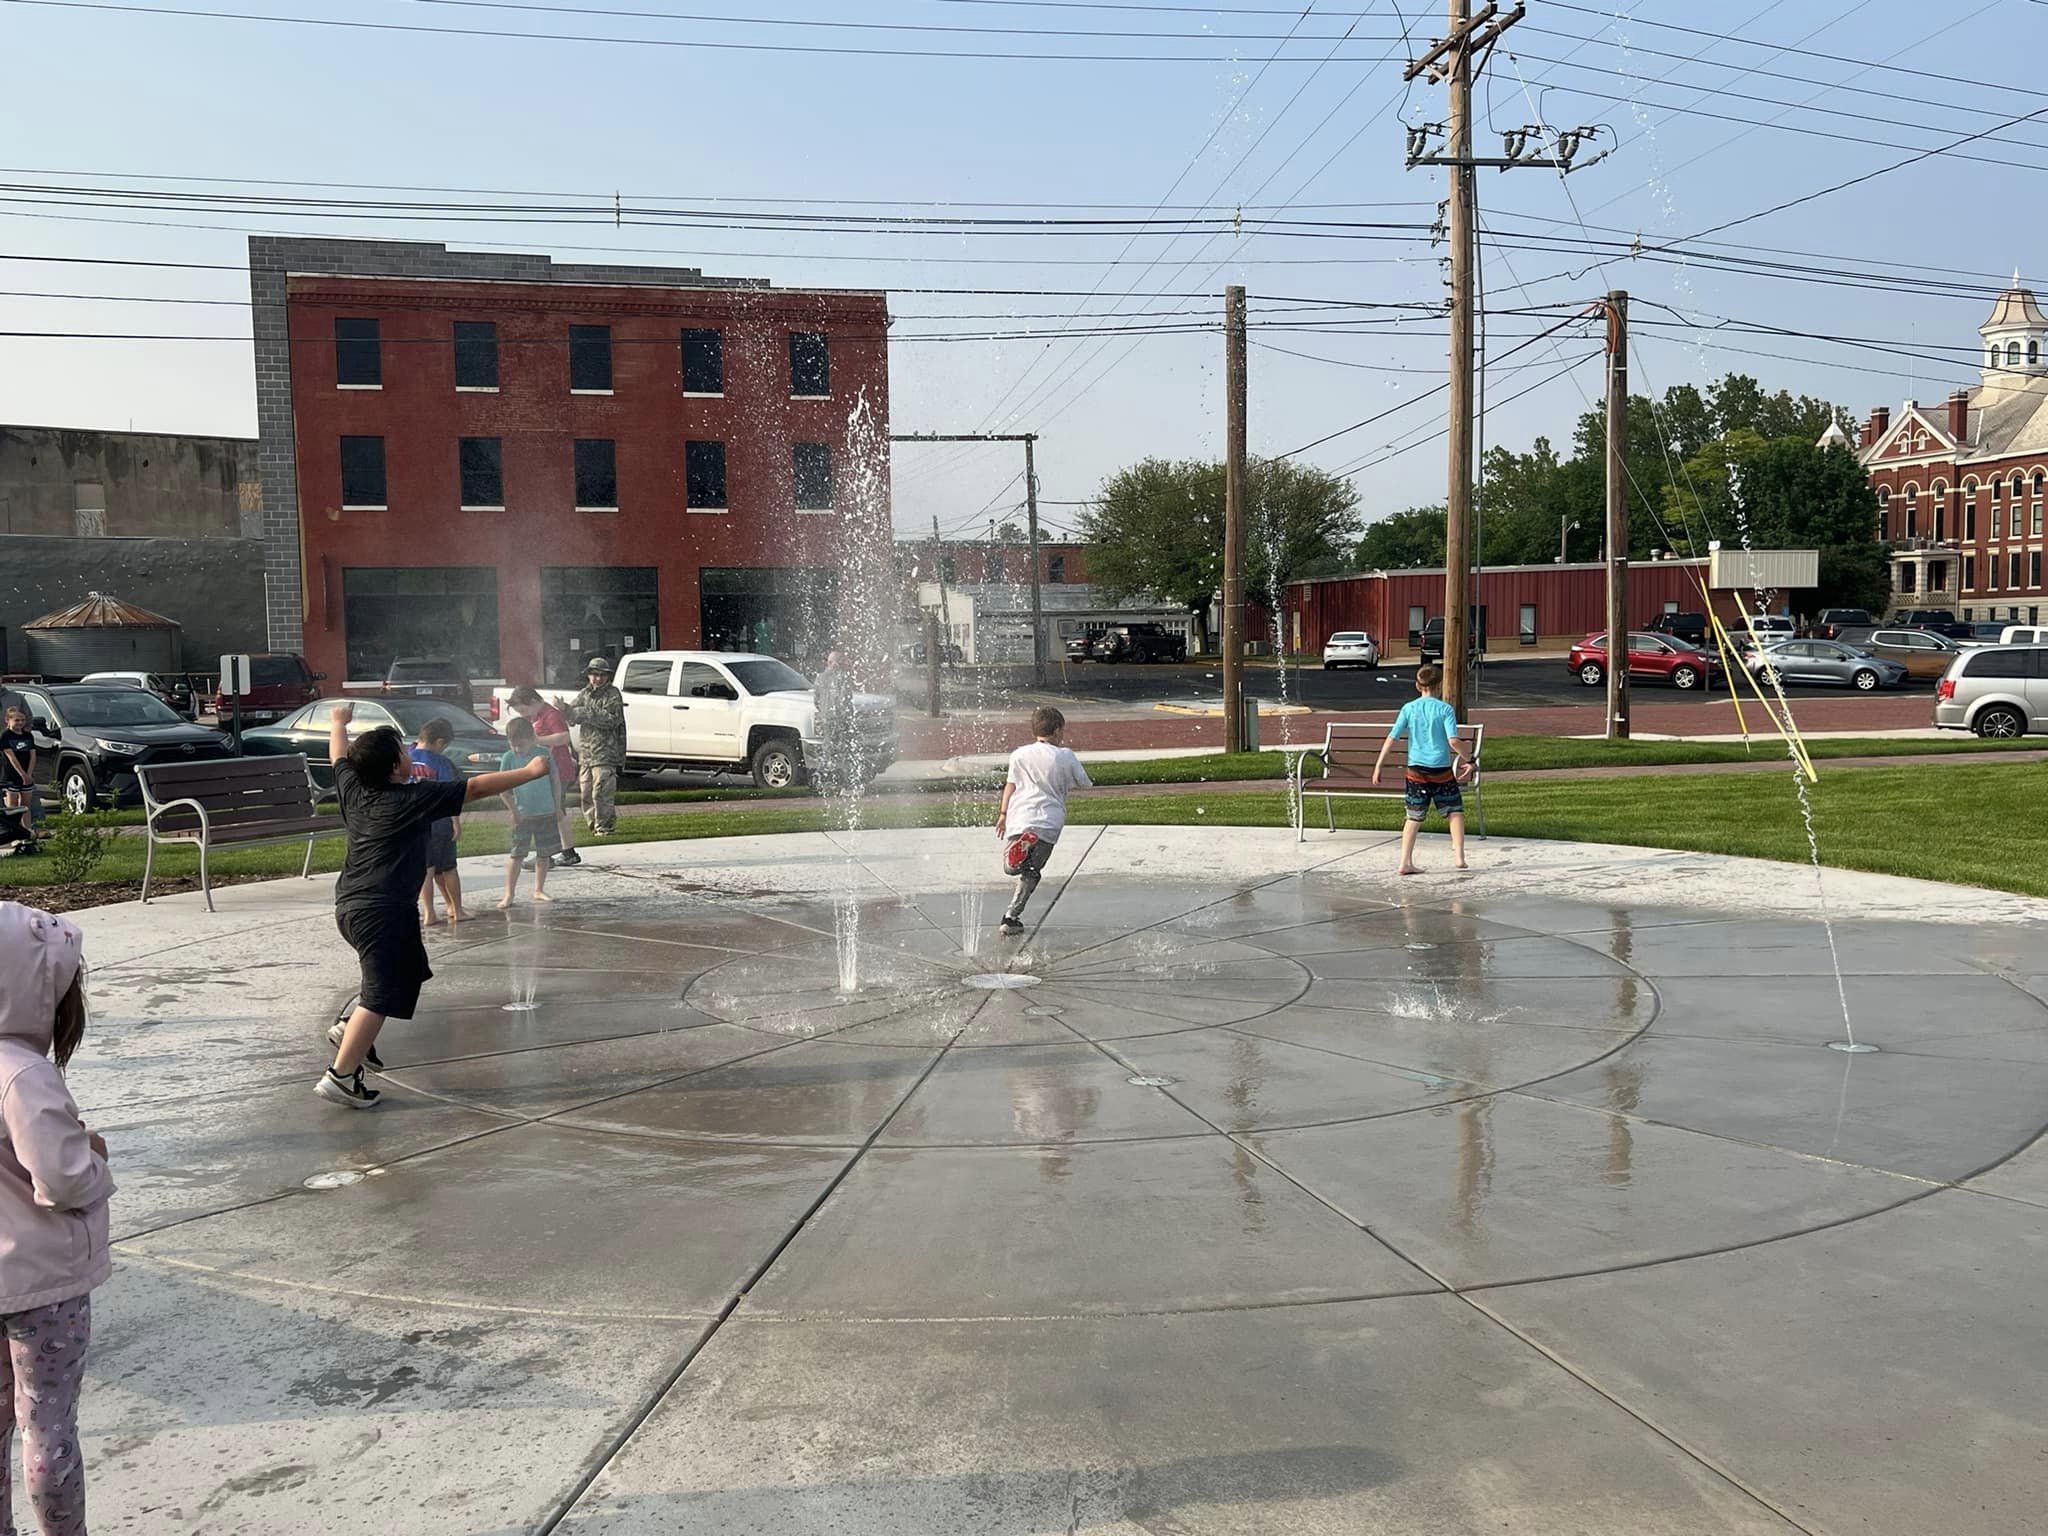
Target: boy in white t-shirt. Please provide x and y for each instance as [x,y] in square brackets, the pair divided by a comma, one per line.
[1034,807]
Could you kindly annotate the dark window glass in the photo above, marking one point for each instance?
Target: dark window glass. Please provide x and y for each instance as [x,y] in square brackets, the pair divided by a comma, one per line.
[1056,568]
[1969,573]
[483,471]
[356,356]
[704,475]
[2015,571]
[1998,664]
[590,357]
[810,371]
[597,472]
[813,462]
[646,677]
[476,354]
[2034,569]
[362,471]
[703,363]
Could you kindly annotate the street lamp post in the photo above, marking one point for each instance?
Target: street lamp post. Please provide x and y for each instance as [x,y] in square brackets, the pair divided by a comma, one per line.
[1564,529]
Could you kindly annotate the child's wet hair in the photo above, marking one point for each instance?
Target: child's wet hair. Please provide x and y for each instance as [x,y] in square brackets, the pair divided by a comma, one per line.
[374,755]
[519,731]
[437,731]
[1428,677]
[70,1026]
[1047,721]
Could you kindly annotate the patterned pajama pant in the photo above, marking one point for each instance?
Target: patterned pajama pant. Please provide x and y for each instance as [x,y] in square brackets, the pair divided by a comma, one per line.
[44,1363]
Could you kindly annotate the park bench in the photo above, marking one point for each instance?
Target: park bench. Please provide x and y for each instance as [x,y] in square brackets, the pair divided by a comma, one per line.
[1344,768]
[232,802]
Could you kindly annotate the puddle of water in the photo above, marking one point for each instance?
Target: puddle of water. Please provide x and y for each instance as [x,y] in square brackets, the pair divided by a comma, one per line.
[340,1178]
[1000,981]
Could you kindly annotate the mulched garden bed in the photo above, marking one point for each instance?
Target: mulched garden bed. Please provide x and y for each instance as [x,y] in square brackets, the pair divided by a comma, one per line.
[101,893]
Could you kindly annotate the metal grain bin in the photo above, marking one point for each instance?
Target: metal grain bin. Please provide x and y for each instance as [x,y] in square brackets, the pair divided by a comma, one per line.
[102,634]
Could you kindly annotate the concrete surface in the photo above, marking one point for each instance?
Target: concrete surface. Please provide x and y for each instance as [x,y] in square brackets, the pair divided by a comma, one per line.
[1292,1197]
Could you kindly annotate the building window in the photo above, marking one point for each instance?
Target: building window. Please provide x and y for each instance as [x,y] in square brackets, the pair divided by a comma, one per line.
[597,475]
[1056,568]
[362,473]
[358,360]
[810,367]
[2012,354]
[420,610]
[483,474]
[1937,575]
[1970,510]
[1992,360]
[704,477]
[1418,620]
[2019,518]
[1991,572]
[1969,573]
[2018,485]
[1938,498]
[1525,624]
[813,465]
[2013,571]
[703,363]
[1906,569]
[2037,519]
[2033,353]
[2034,569]
[476,354]
[1912,510]
[590,359]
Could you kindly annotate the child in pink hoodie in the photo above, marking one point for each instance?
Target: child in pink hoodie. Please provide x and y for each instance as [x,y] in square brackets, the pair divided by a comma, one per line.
[53,1215]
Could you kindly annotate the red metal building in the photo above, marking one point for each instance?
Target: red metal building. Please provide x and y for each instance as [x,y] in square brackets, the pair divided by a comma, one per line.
[524,472]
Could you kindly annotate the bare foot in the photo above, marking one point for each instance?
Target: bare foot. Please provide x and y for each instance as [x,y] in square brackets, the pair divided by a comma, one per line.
[1408,869]
[505,905]
[1461,864]
[460,915]
[542,896]
[430,922]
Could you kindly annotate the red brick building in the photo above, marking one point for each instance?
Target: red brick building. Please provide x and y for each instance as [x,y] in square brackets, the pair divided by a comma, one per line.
[1961,485]
[521,465]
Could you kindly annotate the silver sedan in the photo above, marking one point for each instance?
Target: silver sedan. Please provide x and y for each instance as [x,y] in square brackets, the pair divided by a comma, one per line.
[1350,648]
[1824,661]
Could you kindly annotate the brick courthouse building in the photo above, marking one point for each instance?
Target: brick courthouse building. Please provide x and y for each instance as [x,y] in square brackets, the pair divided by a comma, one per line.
[1961,485]
[519,463]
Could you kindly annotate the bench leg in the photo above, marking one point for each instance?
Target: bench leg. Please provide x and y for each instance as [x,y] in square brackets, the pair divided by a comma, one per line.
[307,872]
[1330,812]
[205,883]
[148,864]
[1479,808]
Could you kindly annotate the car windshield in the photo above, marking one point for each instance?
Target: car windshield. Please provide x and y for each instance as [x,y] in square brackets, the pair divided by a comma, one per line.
[769,676]
[422,672]
[275,672]
[414,713]
[87,708]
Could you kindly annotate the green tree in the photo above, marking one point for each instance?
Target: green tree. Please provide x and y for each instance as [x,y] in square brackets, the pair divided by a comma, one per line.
[1403,541]
[1157,526]
[1011,533]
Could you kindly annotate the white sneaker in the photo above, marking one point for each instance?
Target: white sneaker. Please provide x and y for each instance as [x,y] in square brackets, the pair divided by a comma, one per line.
[370,1058]
[346,1091]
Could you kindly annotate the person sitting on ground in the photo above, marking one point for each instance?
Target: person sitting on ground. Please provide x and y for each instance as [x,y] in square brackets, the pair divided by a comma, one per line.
[1438,761]
[54,1186]
[389,818]
[1034,808]
[430,761]
[535,808]
[600,709]
[17,778]
[552,732]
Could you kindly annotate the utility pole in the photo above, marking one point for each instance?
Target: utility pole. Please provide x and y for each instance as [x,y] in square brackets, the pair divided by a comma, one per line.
[1617,515]
[939,634]
[1233,518]
[1037,594]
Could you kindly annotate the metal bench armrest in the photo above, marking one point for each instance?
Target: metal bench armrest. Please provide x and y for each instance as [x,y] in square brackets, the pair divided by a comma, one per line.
[158,807]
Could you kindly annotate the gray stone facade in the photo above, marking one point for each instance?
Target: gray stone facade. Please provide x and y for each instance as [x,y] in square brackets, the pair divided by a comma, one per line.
[212,587]
[65,482]
[272,259]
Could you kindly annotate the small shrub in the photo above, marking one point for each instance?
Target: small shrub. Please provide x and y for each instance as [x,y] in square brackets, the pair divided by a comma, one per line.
[76,844]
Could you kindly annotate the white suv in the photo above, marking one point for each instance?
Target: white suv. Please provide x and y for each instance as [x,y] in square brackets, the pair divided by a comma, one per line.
[1350,648]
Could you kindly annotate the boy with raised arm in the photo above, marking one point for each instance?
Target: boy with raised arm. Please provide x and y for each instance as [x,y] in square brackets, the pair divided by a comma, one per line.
[389,816]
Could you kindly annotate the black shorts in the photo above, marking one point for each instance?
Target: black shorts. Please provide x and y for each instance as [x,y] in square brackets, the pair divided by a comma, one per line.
[440,853]
[393,957]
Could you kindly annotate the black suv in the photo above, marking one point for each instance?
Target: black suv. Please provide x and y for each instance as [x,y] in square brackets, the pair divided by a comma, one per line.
[1130,642]
[1689,627]
[91,737]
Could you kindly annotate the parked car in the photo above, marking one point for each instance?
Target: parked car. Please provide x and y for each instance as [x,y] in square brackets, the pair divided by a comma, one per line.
[174,688]
[1689,627]
[426,677]
[1987,632]
[1995,690]
[732,712]
[1922,652]
[1824,661]
[1134,642]
[1350,648]
[1833,621]
[279,682]
[91,737]
[1940,621]
[1762,629]
[475,749]
[2021,634]
[1429,645]
[1657,658]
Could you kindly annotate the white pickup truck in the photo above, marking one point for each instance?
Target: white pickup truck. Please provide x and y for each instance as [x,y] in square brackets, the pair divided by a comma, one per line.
[729,712]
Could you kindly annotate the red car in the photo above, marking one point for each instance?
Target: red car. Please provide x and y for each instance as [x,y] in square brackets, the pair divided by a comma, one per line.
[279,682]
[1661,658]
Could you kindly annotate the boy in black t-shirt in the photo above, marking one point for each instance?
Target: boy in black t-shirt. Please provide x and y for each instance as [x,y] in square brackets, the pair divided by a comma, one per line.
[17,777]
[389,816]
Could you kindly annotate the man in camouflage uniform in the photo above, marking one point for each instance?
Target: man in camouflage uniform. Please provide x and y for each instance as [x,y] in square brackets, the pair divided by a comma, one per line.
[599,710]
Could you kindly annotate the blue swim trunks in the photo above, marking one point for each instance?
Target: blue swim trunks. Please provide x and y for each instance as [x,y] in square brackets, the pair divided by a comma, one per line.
[1438,787]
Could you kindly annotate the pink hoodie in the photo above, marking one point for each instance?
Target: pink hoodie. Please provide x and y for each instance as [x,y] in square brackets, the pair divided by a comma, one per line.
[53,1186]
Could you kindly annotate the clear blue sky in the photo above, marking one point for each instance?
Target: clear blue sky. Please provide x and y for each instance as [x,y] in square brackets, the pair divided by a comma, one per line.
[125,95]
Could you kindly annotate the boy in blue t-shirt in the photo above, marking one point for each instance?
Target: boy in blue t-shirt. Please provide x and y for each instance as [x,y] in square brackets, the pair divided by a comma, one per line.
[430,761]
[534,810]
[1438,761]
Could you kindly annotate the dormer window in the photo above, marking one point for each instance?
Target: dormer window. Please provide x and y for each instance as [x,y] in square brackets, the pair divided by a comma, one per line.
[1919,442]
[1991,360]
[2033,354]
[2012,354]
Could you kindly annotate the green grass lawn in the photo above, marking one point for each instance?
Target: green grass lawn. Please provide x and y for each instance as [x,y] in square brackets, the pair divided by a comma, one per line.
[1969,824]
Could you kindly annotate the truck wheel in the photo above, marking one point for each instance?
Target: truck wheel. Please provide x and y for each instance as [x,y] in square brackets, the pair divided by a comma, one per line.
[778,763]
[2000,722]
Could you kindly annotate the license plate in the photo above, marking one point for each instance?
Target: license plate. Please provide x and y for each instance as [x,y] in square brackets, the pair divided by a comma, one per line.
[425,693]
